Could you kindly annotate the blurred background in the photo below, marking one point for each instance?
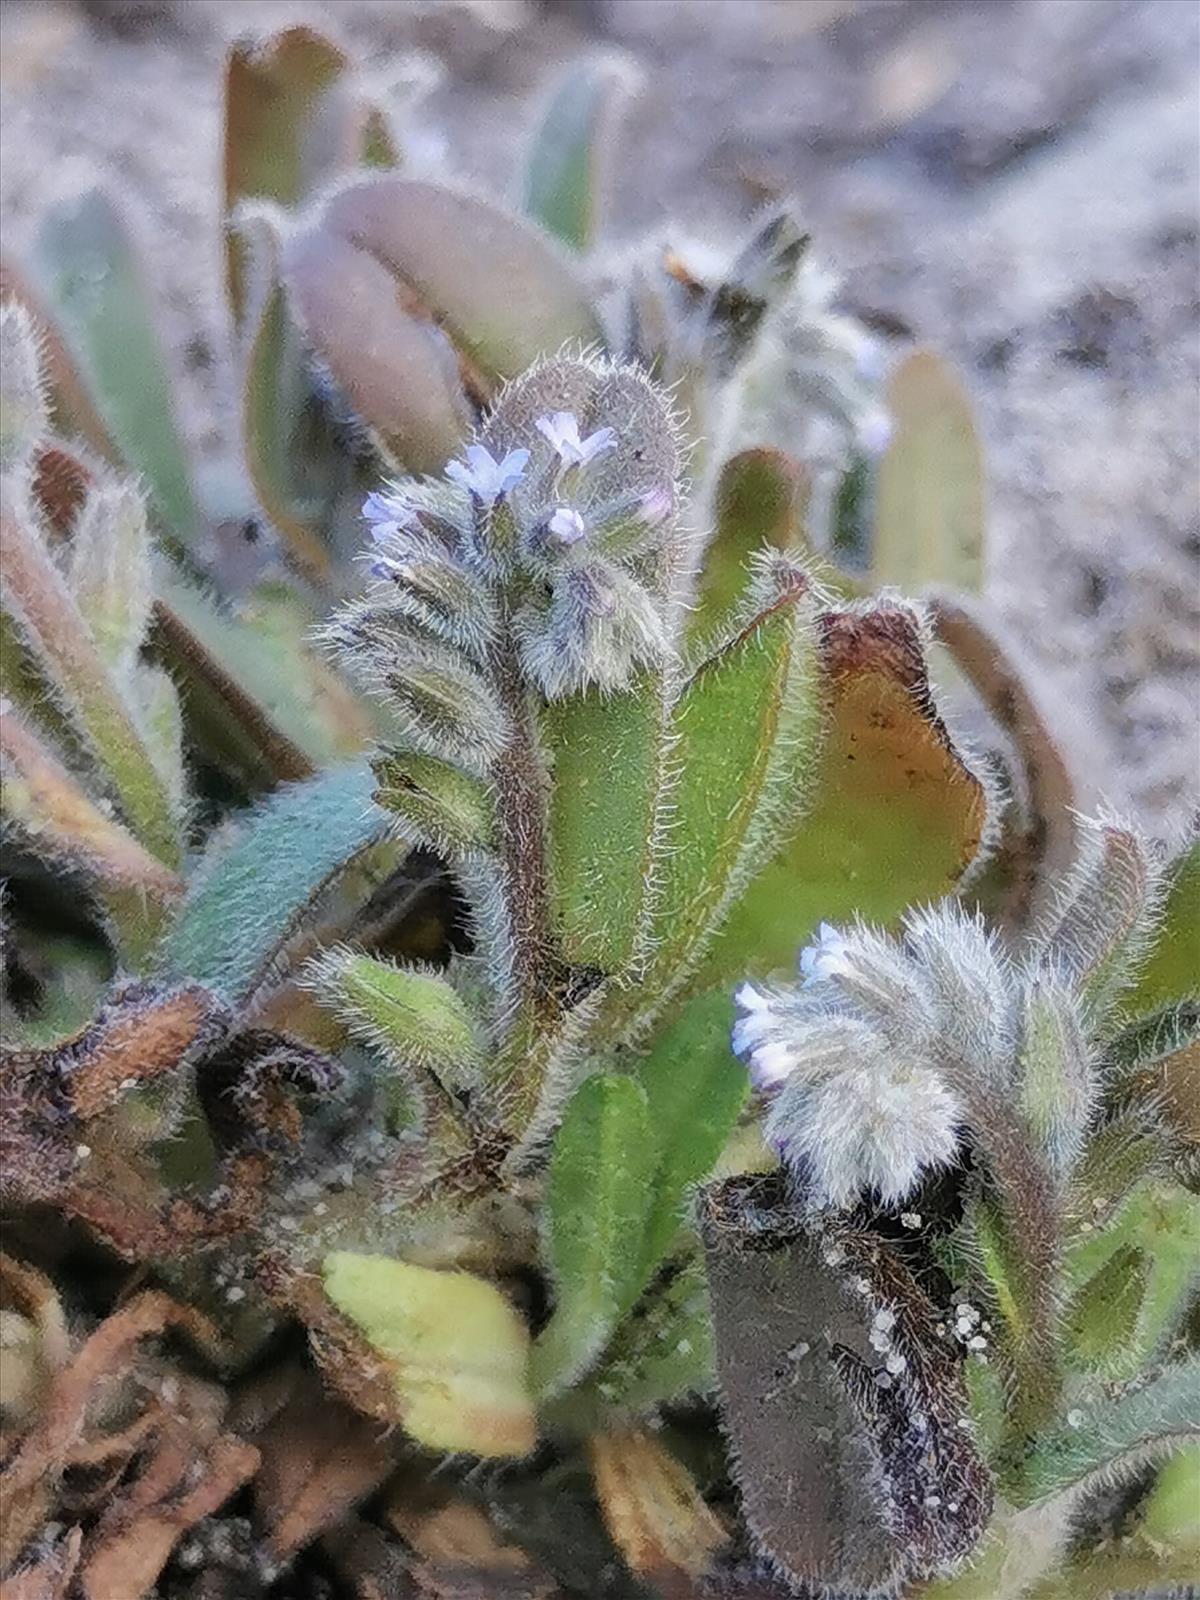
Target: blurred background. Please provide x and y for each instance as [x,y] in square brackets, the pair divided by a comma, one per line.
[1016,182]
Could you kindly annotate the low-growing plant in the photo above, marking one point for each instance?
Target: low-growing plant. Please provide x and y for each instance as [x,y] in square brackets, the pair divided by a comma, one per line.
[625,1263]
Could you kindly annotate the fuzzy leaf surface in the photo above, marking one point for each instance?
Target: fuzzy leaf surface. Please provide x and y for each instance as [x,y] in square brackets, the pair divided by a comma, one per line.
[897,814]
[608,756]
[1172,969]
[1115,1437]
[695,1091]
[249,894]
[929,508]
[747,706]
[760,502]
[89,271]
[601,1173]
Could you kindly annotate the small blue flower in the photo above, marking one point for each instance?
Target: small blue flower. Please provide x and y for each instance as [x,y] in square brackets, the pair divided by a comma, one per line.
[484,476]
[562,431]
[387,515]
[567,525]
[825,957]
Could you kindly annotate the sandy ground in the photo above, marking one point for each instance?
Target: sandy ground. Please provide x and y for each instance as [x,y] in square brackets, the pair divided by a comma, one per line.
[1015,181]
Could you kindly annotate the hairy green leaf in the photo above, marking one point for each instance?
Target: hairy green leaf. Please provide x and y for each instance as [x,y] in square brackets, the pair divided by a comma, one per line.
[1111,1439]
[608,754]
[744,729]
[695,1090]
[439,805]
[761,497]
[253,888]
[596,1206]
[1172,968]
[897,814]
[1159,1228]
[88,269]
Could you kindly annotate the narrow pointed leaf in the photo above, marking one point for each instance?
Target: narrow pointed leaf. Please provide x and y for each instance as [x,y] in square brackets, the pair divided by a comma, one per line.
[603,1162]
[761,497]
[929,495]
[608,755]
[745,727]
[567,167]
[1172,968]
[92,280]
[1115,1437]
[897,814]
[49,621]
[109,571]
[252,890]
[695,1091]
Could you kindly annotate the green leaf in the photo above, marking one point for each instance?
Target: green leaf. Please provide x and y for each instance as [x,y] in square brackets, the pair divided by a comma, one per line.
[1172,969]
[49,623]
[761,498]
[566,169]
[929,497]
[439,805]
[293,463]
[455,1351]
[23,411]
[596,1206]
[744,728]
[256,696]
[88,269]
[109,571]
[1115,1437]
[896,815]
[695,1091]
[1101,1322]
[608,754]
[1159,1226]
[251,892]
[412,1015]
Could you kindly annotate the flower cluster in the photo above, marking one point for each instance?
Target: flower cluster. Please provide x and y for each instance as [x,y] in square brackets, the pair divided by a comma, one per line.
[862,1061]
[566,514]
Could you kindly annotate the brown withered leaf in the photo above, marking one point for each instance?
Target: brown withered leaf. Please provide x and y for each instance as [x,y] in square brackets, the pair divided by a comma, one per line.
[319,1458]
[461,1554]
[653,1510]
[65,1138]
[49,1578]
[179,1488]
[63,1435]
